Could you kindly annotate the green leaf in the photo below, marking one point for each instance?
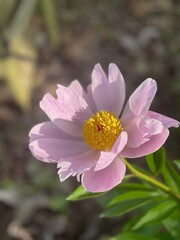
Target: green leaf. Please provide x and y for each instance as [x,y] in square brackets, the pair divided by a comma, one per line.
[156,161]
[156,214]
[172,225]
[80,193]
[172,177]
[135,186]
[133,195]
[132,236]
[124,207]
[177,163]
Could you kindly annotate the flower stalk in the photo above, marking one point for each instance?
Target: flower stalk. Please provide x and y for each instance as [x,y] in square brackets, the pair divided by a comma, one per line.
[151,180]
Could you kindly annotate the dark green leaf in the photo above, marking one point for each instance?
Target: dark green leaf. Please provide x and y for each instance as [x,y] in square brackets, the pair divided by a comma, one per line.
[172,225]
[124,207]
[133,195]
[135,186]
[171,177]
[156,161]
[156,214]
[80,193]
[132,236]
[177,163]
[150,162]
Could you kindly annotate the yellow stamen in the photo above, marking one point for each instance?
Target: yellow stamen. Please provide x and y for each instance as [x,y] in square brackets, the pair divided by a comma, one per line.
[102,130]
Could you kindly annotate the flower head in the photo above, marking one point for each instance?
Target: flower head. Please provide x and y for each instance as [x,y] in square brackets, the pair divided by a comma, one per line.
[89,133]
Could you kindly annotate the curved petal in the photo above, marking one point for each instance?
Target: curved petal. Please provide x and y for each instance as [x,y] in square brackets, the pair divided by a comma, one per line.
[105,179]
[90,99]
[52,150]
[109,94]
[116,89]
[166,121]
[99,88]
[72,102]
[79,91]
[140,101]
[49,130]
[77,164]
[154,143]
[65,119]
[106,158]
[136,136]
[141,129]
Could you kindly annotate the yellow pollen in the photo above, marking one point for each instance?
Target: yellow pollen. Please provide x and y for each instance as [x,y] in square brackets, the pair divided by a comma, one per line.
[102,130]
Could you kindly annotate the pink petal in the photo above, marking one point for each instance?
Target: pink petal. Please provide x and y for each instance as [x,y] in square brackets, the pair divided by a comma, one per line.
[141,129]
[99,88]
[60,116]
[151,126]
[136,136]
[90,99]
[77,164]
[72,102]
[120,142]
[154,143]
[52,150]
[116,89]
[109,94]
[79,91]
[105,179]
[106,158]
[166,121]
[140,101]
[49,130]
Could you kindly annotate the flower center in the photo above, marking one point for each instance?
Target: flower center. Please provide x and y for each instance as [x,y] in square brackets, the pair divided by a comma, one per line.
[101,130]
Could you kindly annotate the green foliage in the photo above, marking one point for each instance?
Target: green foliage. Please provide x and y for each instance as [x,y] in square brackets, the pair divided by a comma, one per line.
[124,207]
[172,225]
[156,161]
[177,163]
[156,200]
[132,236]
[158,213]
[171,177]
[80,193]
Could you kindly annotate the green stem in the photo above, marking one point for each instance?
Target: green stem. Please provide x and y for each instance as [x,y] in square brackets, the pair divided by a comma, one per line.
[150,180]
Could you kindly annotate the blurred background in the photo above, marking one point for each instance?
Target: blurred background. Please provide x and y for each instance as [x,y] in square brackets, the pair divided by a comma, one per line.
[48,42]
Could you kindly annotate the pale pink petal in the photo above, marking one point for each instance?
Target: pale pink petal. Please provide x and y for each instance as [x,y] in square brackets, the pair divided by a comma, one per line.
[154,143]
[49,130]
[79,91]
[73,103]
[76,88]
[120,142]
[77,164]
[64,171]
[151,126]
[100,88]
[52,150]
[136,136]
[109,94]
[60,118]
[116,89]
[166,121]
[106,158]
[140,129]
[90,99]
[140,101]
[105,179]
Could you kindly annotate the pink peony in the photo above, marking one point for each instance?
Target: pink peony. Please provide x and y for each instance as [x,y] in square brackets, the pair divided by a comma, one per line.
[85,135]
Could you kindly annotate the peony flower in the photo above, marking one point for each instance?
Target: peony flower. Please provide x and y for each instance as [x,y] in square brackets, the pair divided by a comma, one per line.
[89,132]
